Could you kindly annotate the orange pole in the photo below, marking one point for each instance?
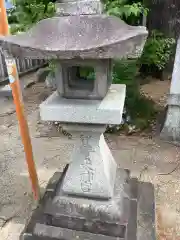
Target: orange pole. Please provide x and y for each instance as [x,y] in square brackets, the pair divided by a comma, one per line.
[18,101]
[4,28]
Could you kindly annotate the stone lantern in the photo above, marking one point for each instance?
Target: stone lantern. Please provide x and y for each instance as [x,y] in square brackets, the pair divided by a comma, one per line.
[92,198]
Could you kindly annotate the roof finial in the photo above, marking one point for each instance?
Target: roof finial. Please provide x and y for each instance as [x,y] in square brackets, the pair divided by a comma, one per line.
[78,7]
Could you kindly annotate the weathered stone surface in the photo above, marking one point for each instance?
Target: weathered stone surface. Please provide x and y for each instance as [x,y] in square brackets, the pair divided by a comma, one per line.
[79,7]
[45,232]
[50,81]
[92,171]
[5,91]
[174,99]
[52,232]
[171,128]
[146,212]
[107,111]
[69,85]
[44,227]
[41,74]
[131,233]
[170,131]
[108,217]
[85,36]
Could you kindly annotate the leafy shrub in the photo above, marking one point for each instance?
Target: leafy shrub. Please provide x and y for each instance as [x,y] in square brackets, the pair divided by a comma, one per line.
[29,12]
[157,50]
[129,11]
[11,13]
[141,110]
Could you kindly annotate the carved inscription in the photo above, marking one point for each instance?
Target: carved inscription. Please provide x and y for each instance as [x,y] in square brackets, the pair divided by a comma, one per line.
[88,170]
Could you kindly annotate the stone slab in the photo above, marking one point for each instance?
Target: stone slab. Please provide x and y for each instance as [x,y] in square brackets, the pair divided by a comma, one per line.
[146,212]
[131,233]
[108,217]
[106,111]
[5,91]
[60,233]
[40,229]
[173,99]
[170,130]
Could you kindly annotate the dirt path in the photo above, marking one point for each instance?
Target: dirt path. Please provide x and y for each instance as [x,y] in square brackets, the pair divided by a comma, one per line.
[149,159]
[157,91]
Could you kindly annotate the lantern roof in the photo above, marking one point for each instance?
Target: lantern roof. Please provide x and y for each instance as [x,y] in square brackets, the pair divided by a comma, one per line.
[78,36]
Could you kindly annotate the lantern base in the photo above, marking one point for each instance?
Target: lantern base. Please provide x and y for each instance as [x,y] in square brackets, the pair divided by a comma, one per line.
[129,215]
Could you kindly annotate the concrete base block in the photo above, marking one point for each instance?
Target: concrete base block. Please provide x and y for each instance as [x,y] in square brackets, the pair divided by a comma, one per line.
[130,215]
[171,129]
[5,91]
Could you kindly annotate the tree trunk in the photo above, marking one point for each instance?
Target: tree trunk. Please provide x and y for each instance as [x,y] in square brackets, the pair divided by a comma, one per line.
[164,15]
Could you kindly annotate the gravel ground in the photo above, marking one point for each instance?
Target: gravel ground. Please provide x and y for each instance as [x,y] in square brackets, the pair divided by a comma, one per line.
[157,91]
[149,159]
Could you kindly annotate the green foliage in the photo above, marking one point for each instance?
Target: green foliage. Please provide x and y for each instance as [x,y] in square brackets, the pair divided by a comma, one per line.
[157,50]
[140,109]
[52,65]
[130,11]
[11,16]
[87,73]
[124,70]
[15,28]
[29,12]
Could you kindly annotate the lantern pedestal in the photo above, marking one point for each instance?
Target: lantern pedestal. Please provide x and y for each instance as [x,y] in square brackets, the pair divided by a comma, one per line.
[92,198]
[92,171]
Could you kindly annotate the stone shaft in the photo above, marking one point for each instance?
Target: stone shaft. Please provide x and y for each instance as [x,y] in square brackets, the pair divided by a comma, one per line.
[92,171]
